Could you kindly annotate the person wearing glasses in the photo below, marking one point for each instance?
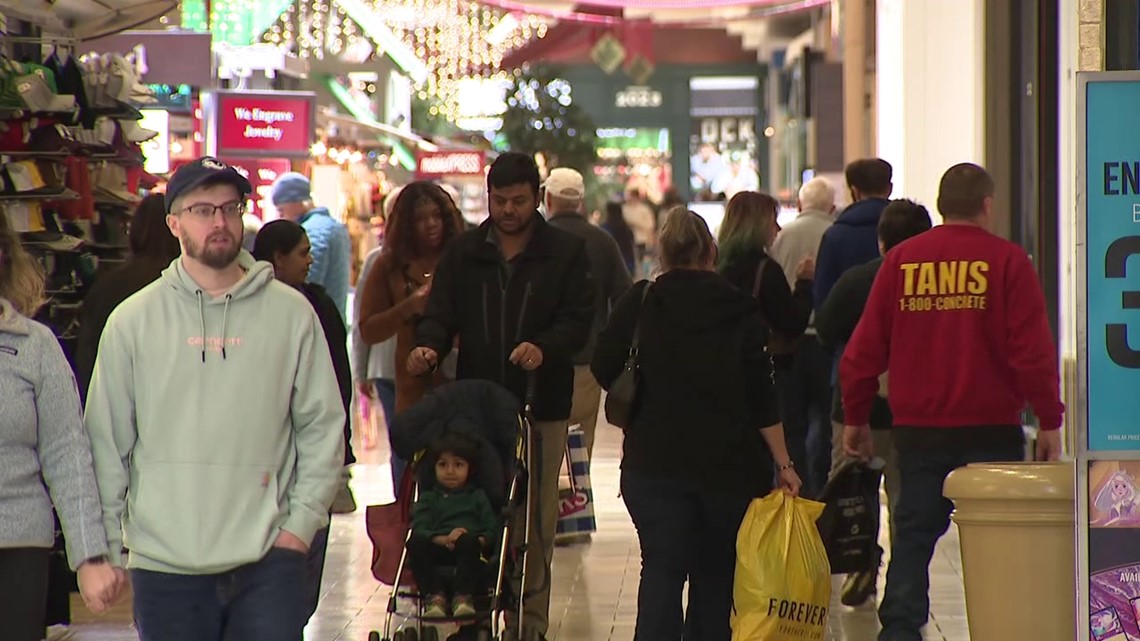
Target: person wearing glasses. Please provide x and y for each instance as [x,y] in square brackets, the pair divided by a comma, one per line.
[217,429]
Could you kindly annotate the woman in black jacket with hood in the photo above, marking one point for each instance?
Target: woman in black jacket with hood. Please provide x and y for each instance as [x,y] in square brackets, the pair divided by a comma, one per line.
[705,438]
[285,245]
[153,248]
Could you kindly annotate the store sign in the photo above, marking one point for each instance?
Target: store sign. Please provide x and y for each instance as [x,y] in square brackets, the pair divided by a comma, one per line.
[278,124]
[727,130]
[261,173]
[638,97]
[438,164]
[1108,323]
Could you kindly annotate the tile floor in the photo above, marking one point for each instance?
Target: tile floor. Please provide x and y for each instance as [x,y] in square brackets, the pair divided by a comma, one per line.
[594,585]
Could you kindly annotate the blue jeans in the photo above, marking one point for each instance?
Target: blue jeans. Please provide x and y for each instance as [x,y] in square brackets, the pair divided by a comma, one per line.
[262,601]
[805,410]
[386,392]
[922,516]
[686,534]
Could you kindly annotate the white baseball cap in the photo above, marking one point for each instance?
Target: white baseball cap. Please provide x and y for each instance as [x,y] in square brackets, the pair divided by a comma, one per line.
[565,183]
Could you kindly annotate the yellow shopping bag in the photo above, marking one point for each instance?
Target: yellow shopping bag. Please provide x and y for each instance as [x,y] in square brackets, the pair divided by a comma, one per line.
[783,581]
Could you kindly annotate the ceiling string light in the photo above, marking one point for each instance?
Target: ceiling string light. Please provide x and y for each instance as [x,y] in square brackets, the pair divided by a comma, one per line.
[455,39]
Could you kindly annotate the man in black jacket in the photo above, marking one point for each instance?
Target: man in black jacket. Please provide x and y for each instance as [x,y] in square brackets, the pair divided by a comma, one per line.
[519,296]
[835,322]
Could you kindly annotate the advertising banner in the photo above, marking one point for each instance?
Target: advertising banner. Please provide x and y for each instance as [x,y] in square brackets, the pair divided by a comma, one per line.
[1112,192]
[1108,431]
[277,124]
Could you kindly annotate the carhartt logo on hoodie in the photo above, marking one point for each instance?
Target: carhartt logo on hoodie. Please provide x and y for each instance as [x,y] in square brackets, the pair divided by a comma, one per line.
[214,343]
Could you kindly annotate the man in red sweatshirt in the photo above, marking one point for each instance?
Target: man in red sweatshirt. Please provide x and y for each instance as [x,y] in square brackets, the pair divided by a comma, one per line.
[958,318]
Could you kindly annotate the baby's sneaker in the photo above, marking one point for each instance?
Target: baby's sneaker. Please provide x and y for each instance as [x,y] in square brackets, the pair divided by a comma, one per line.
[462,607]
[436,607]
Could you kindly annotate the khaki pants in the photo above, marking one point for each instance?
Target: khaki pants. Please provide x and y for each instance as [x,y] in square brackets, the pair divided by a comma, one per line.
[884,446]
[549,450]
[587,402]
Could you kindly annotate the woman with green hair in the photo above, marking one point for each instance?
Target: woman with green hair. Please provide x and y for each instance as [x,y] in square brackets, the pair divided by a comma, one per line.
[748,231]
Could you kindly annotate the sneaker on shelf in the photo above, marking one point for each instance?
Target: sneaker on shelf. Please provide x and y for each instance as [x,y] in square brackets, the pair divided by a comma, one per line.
[39,96]
[436,607]
[134,133]
[462,607]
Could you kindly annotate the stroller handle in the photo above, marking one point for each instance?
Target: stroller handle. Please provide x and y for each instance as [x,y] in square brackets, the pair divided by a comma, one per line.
[531,391]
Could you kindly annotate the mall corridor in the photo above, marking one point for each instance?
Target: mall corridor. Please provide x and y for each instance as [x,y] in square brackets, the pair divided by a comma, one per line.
[595,584]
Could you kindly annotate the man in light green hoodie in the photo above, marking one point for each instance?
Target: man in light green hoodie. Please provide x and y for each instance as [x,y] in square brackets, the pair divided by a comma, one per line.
[217,430]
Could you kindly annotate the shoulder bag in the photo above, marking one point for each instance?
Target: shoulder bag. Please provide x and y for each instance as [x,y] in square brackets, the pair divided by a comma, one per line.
[621,399]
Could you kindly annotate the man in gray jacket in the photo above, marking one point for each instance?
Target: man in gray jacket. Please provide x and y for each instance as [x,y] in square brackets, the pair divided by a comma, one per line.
[564,192]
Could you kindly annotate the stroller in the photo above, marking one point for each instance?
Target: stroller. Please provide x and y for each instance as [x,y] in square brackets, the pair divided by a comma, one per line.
[501,472]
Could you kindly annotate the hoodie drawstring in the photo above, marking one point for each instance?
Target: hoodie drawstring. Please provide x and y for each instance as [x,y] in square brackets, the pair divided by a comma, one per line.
[202,320]
[225,316]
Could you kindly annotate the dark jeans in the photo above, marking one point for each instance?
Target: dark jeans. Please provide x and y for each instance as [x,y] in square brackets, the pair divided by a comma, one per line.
[263,601]
[315,569]
[686,534]
[425,558]
[23,593]
[922,516]
[804,386]
[386,392]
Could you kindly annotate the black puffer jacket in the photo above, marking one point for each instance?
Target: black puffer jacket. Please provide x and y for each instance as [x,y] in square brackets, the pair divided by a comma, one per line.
[548,300]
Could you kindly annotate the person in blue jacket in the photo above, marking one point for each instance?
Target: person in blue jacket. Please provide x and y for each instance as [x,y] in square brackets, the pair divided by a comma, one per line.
[854,238]
[331,247]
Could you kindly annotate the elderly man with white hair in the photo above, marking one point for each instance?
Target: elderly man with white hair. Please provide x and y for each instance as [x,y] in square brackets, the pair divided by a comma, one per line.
[805,388]
[801,237]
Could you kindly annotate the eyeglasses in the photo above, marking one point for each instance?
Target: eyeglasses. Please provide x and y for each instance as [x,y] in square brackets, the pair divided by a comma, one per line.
[206,211]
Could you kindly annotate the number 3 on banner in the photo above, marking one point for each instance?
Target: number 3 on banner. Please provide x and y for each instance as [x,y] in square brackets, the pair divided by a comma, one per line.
[1116,334]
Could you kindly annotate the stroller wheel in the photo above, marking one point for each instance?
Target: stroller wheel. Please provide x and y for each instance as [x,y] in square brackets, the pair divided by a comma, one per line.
[373,636]
[408,635]
[430,634]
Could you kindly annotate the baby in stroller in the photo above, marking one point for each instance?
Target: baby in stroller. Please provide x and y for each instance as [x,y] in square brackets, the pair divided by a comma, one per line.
[452,524]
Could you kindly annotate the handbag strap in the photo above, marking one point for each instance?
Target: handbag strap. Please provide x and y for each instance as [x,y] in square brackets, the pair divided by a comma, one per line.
[636,340]
[759,276]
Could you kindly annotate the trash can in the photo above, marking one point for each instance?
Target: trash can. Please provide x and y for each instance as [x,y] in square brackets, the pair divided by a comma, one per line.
[1016,523]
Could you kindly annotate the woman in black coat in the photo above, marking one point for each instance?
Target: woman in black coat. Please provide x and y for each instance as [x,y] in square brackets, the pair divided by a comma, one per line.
[705,437]
[285,244]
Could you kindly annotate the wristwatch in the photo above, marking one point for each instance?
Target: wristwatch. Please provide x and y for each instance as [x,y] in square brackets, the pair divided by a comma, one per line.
[96,560]
[788,466]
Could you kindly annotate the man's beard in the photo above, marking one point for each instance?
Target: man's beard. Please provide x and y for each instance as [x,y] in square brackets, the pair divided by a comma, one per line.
[214,257]
[521,229]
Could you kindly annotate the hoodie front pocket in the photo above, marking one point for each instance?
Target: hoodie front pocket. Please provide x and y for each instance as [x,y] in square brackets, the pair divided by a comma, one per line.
[203,517]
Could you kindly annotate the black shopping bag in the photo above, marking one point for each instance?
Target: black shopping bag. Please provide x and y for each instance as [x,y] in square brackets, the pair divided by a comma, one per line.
[849,525]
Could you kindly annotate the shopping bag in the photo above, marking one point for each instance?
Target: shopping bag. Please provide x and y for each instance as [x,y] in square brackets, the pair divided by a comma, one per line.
[576,504]
[849,525]
[388,529]
[782,587]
